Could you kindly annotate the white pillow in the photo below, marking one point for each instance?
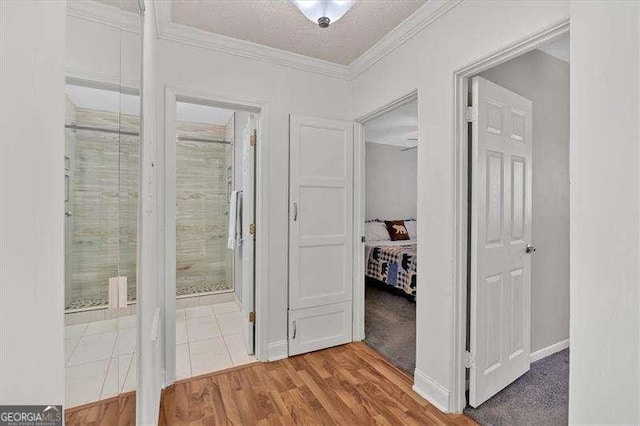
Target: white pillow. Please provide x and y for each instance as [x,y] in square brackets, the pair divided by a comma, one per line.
[376,231]
[412,228]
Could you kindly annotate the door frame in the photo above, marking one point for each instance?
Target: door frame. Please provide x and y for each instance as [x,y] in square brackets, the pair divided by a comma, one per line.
[457,397]
[359,206]
[172,95]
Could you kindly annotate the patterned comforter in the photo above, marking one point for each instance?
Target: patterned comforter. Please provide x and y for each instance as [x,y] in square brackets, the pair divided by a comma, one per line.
[394,265]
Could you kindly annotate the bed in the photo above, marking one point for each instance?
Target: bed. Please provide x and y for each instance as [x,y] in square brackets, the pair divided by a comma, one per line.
[392,263]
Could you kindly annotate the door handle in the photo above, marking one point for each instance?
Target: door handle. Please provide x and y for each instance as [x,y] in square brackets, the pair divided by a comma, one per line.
[295,211]
[68,214]
[530,249]
[295,330]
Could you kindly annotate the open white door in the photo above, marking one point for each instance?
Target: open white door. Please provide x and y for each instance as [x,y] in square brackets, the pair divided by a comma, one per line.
[248,231]
[320,233]
[501,163]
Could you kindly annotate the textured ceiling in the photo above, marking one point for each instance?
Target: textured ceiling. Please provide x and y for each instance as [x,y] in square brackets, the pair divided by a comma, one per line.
[397,127]
[279,24]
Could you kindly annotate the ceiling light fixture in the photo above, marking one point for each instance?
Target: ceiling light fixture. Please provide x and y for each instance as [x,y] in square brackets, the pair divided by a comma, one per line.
[324,12]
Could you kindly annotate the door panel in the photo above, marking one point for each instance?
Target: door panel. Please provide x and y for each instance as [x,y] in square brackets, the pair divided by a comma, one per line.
[319,327]
[320,233]
[500,231]
[248,239]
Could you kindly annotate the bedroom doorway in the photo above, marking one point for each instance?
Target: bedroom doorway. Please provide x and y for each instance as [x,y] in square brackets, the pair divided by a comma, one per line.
[386,273]
[518,283]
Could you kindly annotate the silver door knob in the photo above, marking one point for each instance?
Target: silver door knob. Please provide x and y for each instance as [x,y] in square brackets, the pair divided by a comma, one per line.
[68,214]
[530,248]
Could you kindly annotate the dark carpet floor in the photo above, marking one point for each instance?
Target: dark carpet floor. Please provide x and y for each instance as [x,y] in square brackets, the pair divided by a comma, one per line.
[390,326]
[539,397]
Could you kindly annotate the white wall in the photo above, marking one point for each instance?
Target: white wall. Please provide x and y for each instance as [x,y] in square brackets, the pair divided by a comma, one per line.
[32,202]
[605,213]
[117,60]
[391,182]
[545,80]
[604,172]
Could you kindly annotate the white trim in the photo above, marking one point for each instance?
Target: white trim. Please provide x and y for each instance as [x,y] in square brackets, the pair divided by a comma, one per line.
[549,350]
[104,14]
[260,108]
[457,400]
[357,311]
[431,390]
[114,82]
[277,350]
[426,15]
[171,31]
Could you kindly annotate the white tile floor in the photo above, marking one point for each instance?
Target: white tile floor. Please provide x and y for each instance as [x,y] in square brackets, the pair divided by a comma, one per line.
[100,360]
[101,356]
[208,339]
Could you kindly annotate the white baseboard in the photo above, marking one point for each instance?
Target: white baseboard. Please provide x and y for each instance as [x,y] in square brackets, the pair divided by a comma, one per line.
[431,390]
[549,350]
[277,350]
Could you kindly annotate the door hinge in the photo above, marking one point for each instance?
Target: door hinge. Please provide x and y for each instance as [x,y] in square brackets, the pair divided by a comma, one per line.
[471,114]
[252,316]
[469,360]
[254,138]
[363,239]
[252,229]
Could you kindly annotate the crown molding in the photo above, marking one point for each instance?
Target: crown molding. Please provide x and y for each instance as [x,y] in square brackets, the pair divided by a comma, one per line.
[429,13]
[169,30]
[104,14]
[426,15]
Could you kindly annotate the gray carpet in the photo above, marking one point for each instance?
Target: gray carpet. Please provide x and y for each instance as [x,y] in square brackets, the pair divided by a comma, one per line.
[539,397]
[390,326]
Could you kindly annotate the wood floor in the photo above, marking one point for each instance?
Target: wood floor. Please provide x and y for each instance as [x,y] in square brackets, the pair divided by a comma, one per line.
[120,410]
[346,385]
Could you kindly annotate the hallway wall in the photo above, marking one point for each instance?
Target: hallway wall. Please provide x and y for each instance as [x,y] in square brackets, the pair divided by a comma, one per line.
[32,202]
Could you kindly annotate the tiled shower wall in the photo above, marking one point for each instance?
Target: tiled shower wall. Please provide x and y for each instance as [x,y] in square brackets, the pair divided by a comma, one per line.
[103,200]
[203,263]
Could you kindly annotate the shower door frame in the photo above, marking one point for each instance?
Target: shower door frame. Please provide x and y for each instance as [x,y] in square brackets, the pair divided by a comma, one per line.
[174,94]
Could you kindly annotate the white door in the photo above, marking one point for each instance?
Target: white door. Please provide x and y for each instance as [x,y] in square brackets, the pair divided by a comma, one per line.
[500,233]
[320,233]
[248,230]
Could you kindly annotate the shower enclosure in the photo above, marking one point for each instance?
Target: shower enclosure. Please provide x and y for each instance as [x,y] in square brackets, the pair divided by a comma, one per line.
[204,181]
[101,183]
[101,176]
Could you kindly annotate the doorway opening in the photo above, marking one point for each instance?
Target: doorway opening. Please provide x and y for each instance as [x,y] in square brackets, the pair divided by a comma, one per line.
[387,275]
[517,305]
[211,202]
